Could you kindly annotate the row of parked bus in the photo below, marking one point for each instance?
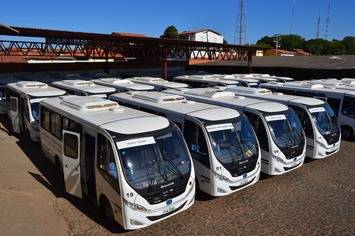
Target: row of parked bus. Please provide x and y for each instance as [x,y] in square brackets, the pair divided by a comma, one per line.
[139,155]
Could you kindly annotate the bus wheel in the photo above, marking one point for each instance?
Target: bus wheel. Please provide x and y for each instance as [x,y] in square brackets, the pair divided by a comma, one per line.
[58,164]
[346,133]
[107,209]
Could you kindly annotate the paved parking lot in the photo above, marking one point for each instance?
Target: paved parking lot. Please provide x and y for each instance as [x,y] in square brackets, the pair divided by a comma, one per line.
[316,199]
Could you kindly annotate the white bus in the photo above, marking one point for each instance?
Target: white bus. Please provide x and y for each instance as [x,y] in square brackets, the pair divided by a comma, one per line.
[158,83]
[283,79]
[222,142]
[317,118]
[279,131]
[262,78]
[342,101]
[332,83]
[242,81]
[123,85]
[23,98]
[246,82]
[4,80]
[348,81]
[84,88]
[135,166]
[201,81]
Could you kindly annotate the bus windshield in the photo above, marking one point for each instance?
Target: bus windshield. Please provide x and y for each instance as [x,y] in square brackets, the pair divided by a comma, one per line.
[325,119]
[35,108]
[233,142]
[155,160]
[285,129]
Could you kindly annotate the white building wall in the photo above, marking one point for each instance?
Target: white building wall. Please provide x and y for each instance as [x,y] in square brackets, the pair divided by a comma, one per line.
[208,36]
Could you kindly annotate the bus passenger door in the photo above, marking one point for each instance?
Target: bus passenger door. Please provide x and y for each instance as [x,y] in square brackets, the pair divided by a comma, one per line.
[14,114]
[71,163]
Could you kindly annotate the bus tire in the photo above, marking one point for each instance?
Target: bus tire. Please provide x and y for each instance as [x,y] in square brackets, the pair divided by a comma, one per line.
[107,209]
[58,164]
[346,132]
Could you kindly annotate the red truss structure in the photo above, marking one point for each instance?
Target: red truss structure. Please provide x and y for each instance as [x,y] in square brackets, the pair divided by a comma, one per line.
[58,44]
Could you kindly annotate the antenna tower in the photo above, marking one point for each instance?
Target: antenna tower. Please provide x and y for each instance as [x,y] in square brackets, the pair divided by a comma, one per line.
[328,21]
[318,28]
[318,25]
[240,30]
[293,8]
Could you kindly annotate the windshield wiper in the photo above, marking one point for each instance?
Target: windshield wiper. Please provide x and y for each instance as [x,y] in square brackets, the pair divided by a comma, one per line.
[175,170]
[151,176]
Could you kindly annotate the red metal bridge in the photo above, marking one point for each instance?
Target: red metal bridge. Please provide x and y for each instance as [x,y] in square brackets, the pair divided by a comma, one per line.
[57,44]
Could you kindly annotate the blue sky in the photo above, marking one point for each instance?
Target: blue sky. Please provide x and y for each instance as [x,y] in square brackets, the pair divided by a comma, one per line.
[151,18]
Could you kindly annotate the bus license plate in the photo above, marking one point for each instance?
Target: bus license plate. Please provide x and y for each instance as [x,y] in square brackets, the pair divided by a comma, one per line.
[168,210]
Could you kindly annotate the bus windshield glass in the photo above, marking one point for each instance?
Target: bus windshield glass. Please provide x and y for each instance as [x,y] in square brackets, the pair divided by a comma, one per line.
[325,119]
[34,102]
[285,129]
[153,161]
[233,142]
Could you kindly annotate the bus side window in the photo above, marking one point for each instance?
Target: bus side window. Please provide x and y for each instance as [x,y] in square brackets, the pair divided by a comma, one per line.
[348,108]
[56,125]
[196,142]
[71,125]
[335,104]
[179,125]
[305,121]
[106,161]
[259,129]
[45,118]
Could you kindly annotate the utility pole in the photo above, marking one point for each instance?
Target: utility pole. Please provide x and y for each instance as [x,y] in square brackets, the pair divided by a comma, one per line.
[276,40]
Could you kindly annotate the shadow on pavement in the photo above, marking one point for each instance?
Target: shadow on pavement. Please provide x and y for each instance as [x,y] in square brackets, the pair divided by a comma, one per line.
[53,179]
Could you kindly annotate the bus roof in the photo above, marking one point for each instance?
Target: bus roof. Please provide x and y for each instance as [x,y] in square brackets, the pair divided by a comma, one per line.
[208,78]
[83,85]
[266,94]
[157,82]
[106,114]
[225,98]
[177,104]
[248,90]
[36,89]
[307,87]
[123,83]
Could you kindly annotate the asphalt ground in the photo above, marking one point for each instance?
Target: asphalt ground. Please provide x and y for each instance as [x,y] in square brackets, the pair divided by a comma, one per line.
[316,199]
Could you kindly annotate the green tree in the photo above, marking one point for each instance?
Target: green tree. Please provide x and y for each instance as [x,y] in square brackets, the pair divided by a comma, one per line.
[337,48]
[291,41]
[349,43]
[171,33]
[316,46]
[265,42]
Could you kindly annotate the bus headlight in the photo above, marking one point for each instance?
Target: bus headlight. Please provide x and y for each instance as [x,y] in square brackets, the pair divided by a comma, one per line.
[278,159]
[321,144]
[221,177]
[135,207]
